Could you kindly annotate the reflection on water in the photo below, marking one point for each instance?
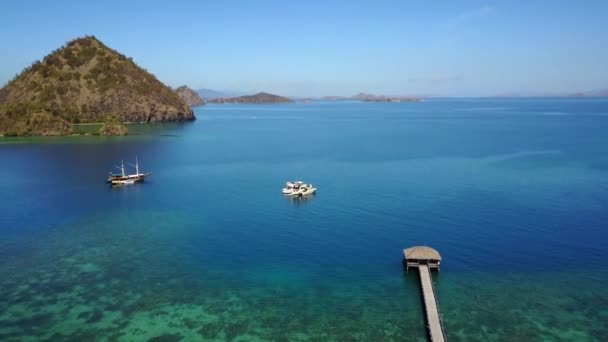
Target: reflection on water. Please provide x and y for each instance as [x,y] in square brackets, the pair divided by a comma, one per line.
[297,201]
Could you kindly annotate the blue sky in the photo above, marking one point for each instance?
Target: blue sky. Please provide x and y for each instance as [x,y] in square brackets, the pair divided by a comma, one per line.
[311,48]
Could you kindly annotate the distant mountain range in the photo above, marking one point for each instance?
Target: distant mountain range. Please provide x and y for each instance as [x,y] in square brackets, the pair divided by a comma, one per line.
[593,93]
[372,98]
[209,94]
[258,98]
[382,98]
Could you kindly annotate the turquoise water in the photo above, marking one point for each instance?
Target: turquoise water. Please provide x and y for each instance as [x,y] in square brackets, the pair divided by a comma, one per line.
[513,193]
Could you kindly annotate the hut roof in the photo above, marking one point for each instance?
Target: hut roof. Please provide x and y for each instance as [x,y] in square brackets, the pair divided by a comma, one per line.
[421,253]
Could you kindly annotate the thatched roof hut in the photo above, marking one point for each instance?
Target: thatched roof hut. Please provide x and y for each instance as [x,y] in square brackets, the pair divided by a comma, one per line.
[421,253]
[417,255]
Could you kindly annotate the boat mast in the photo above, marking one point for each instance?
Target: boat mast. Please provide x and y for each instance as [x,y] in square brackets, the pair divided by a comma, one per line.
[122,167]
[136,166]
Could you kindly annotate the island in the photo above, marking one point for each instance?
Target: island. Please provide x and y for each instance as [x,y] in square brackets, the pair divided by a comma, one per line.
[591,94]
[381,98]
[85,82]
[335,98]
[189,96]
[259,98]
[372,98]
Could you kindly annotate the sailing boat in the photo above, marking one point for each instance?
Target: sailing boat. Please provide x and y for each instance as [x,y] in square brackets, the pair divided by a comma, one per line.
[122,178]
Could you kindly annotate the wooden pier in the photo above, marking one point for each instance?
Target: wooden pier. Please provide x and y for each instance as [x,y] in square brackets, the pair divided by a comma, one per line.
[425,258]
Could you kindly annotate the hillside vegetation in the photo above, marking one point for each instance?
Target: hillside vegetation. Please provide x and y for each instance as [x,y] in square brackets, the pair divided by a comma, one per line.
[82,82]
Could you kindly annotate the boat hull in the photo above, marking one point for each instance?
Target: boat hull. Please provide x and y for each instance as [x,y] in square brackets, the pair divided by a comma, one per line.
[129,179]
[308,192]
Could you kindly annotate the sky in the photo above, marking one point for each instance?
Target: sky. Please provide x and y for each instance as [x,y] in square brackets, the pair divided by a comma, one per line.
[316,48]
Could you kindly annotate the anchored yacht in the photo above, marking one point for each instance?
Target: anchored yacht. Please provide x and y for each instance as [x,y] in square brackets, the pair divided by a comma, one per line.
[123,178]
[298,189]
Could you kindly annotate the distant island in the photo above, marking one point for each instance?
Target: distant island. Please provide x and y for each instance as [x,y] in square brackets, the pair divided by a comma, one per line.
[334,98]
[85,82]
[209,94]
[259,98]
[381,98]
[372,98]
[189,96]
[602,93]
[594,93]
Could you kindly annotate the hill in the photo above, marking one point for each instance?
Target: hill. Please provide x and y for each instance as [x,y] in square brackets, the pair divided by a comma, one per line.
[258,98]
[209,94]
[189,96]
[83,82]
[373,98]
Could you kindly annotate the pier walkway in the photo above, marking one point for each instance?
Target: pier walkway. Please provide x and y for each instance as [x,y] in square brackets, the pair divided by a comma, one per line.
[433,320]
[425,258]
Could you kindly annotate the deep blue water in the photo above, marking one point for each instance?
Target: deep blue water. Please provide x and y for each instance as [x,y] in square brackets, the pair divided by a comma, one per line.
[512,192]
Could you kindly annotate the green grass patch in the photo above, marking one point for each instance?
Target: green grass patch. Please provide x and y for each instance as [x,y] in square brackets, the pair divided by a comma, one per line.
[88,128]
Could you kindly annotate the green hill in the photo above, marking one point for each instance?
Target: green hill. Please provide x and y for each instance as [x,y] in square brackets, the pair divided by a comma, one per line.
[258,98]
[84,82]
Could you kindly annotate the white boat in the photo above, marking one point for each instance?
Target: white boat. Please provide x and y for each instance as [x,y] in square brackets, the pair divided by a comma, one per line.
[292,187]
[123,178]
[305,190]
[298,189]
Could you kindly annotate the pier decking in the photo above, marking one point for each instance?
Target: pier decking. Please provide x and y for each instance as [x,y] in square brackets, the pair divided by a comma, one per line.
[433,320]
[425,258]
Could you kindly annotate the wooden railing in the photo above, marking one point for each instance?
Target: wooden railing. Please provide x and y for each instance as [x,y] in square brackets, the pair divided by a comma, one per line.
[437,305]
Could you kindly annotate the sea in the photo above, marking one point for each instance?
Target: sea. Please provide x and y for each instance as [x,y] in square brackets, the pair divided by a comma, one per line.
[512,192]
